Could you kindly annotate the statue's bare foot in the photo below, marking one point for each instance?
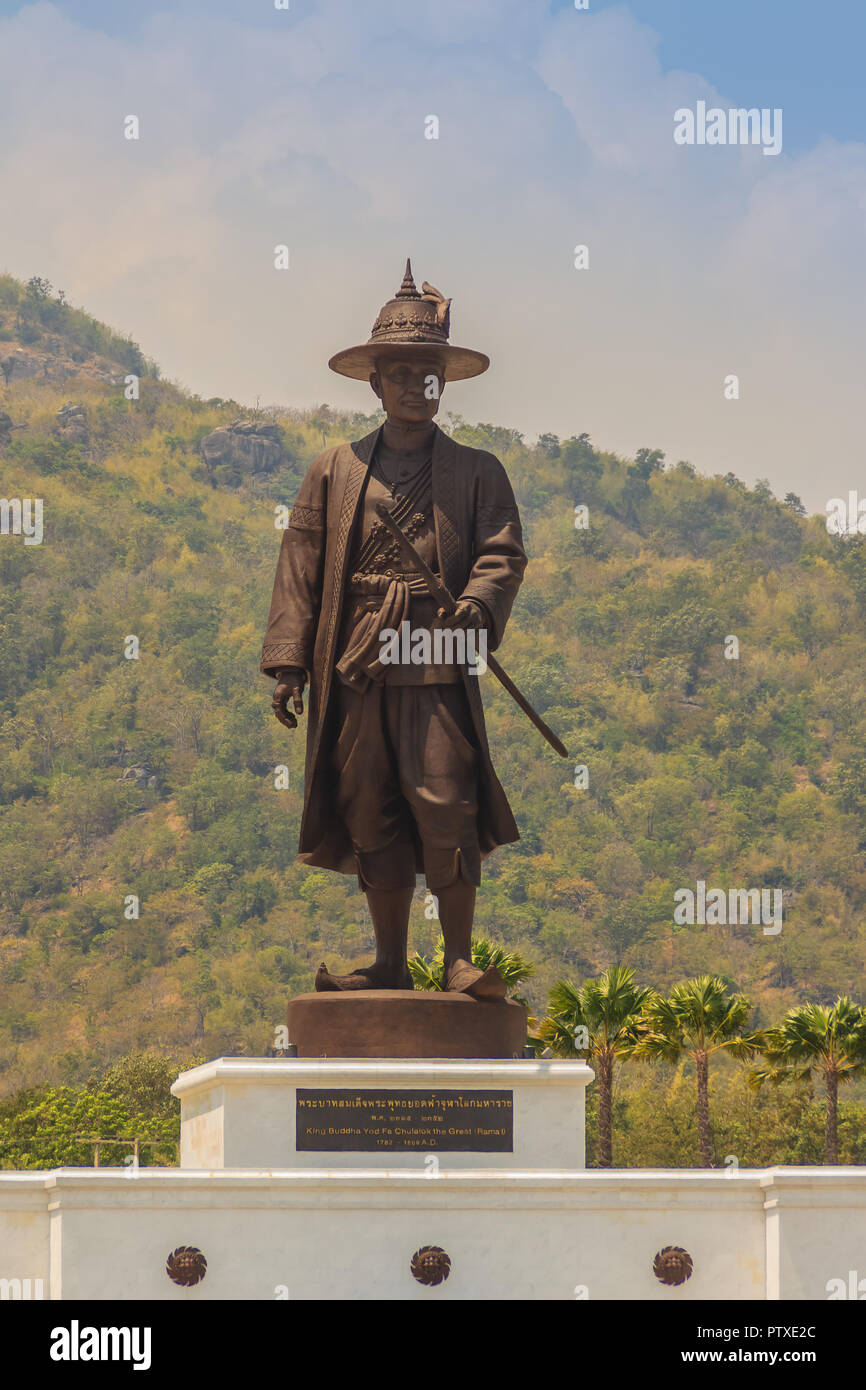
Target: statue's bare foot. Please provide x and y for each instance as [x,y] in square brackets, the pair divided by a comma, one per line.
[371,977]
[465,978]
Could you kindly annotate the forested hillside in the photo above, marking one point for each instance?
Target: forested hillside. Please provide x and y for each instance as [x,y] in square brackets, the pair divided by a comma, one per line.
[154,777]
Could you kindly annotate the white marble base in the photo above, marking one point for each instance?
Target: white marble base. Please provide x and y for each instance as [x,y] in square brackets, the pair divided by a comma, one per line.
[276,1224]
[241,1113]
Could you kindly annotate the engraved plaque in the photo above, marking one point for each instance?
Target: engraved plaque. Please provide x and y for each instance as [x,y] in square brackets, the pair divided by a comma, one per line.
[365,1121]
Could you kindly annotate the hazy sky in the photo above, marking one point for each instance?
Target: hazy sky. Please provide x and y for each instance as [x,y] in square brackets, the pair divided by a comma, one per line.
[307,127]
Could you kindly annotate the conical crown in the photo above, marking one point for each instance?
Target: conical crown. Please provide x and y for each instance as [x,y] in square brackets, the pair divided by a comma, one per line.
[407,290]
[411,317]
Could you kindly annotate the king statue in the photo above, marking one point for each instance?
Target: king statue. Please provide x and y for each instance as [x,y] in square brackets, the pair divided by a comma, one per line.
[399,779]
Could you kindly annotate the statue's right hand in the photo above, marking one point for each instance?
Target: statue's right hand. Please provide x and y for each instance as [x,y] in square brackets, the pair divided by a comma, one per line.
[290,686]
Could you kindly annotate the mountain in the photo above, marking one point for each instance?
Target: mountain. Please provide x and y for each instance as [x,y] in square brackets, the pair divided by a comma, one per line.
[43,336]
[149,895]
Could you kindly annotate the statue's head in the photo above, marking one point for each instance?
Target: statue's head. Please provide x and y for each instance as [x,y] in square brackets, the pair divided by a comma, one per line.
[409,387]
[409,343]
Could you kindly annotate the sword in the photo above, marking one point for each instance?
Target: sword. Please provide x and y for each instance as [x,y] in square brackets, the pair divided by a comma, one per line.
[446,600]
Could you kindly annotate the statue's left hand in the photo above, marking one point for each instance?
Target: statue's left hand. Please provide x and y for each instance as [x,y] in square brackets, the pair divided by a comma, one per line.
[468,613]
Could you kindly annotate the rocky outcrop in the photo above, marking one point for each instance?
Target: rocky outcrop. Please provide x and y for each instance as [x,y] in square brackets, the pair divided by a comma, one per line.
[72,424]
[142,775]
[19,364]
[242,448]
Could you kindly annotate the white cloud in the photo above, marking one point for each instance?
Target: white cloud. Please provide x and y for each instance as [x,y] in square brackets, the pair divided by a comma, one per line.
[554,130]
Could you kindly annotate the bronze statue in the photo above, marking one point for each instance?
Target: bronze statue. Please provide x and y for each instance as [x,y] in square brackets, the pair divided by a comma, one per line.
[398,772]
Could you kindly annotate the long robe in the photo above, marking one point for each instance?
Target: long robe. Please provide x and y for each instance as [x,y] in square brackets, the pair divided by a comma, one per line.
[480,553]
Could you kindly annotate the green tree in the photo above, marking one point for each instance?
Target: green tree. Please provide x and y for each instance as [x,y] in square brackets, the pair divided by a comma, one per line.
[822,1040]
[795,503]
[596,1020]
[142,1083]
[53,1127]
[698,1020]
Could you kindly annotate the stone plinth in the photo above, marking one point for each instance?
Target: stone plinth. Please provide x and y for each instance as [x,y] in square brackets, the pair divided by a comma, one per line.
[520,1219]
[360,1113]
[405,1023]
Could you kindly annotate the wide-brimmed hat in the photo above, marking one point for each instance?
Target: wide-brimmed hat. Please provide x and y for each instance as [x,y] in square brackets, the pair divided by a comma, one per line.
[414,325]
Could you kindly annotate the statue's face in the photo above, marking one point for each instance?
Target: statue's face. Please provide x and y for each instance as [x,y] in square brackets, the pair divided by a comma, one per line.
[409,388]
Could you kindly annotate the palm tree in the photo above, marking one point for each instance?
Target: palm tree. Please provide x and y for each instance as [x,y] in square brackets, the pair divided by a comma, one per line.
[817,1039]
[512,966]
[596,1020]
[699,1019]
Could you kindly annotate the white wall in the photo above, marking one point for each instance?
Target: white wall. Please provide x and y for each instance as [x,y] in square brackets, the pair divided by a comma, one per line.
[350,1234]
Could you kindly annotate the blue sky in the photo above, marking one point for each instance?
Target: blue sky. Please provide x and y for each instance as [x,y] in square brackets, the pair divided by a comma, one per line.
[804,55]
[306,128]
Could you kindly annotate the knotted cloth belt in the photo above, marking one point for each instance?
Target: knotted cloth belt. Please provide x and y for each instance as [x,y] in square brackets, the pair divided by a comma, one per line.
[360,663]
[377,583]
